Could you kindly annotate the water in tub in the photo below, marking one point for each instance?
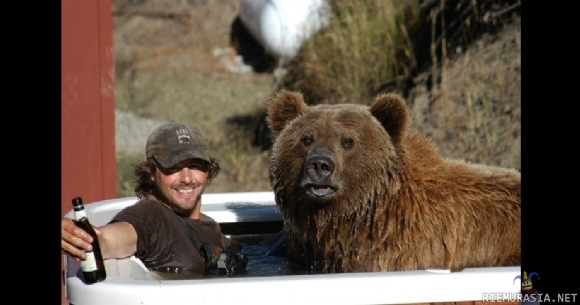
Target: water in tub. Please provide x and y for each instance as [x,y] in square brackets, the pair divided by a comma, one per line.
[261,262]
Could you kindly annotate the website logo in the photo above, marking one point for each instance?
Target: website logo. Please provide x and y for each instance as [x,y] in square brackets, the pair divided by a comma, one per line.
[527,293]
[527,287]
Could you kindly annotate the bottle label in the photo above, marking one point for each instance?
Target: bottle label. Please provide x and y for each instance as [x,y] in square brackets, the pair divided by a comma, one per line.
[90,264]
[80,214]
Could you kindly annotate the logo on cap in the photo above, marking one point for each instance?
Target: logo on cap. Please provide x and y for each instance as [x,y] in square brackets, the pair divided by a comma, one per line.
[183,136]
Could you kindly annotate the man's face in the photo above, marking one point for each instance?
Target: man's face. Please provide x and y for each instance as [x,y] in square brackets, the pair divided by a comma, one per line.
[181,186]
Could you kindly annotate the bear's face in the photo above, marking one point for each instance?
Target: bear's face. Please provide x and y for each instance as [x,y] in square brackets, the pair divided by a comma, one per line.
[326,153]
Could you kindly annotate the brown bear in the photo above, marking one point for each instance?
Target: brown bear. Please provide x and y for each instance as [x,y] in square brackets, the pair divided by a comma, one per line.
[360,191]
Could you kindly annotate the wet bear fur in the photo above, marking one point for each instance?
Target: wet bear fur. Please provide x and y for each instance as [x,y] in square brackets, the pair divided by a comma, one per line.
[361,191]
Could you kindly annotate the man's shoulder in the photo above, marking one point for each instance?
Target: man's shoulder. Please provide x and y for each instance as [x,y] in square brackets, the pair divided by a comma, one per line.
[205,218]
[145,206]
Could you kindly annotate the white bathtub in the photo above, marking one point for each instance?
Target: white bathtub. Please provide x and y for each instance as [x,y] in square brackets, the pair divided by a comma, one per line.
[128,281]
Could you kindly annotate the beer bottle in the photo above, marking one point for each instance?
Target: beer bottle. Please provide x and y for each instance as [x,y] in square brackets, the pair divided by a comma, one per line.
[93,268]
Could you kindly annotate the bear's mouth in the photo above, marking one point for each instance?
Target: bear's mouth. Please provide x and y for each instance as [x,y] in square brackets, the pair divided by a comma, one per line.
[320,191]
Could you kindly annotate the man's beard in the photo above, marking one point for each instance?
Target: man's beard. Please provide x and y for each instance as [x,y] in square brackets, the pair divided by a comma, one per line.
[181,211]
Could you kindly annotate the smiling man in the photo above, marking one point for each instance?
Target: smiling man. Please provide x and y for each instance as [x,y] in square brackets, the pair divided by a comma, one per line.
[158,229]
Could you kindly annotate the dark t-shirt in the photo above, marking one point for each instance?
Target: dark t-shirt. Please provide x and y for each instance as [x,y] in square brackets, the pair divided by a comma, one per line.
[162,240]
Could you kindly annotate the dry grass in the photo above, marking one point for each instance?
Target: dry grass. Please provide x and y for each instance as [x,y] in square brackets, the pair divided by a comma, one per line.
[366,43]
[165,70]
[474,112]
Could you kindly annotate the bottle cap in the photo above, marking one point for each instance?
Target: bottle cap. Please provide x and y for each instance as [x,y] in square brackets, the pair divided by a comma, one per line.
[78,201]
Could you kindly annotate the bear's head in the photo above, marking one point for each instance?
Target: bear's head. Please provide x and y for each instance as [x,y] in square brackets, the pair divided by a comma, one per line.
[334,160]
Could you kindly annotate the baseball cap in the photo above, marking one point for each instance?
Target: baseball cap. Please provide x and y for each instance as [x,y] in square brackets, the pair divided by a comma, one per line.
[174,142]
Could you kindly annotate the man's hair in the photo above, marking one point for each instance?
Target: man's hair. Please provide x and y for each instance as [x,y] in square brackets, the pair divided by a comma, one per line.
[146,169]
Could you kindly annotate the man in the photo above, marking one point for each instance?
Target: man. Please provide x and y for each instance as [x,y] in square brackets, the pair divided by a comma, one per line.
[170,183]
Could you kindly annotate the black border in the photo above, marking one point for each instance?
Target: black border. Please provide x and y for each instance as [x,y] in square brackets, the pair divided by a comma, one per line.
[549,229]
[53,114]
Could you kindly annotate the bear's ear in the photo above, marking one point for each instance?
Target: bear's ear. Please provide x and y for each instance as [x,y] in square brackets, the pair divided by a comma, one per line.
[391,111]
[283,107]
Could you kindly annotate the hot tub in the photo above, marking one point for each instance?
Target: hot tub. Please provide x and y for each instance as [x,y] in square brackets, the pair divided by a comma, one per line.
[129,282]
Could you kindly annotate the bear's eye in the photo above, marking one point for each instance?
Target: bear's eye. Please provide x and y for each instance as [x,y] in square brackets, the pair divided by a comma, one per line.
[306,140]
[347,143]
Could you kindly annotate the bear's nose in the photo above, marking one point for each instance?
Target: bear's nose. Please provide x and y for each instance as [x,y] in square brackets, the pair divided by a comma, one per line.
[319,167]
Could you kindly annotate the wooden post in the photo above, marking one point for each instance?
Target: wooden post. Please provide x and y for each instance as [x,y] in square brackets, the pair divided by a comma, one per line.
[88,109]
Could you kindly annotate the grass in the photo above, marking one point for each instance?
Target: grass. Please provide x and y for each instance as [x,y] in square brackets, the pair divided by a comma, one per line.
[366,43]
[462,86]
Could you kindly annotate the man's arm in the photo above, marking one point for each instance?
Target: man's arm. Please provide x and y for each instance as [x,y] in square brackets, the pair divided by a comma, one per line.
[117,240]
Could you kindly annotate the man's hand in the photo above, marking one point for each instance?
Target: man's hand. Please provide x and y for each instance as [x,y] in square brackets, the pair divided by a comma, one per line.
[74,240]
[235,262]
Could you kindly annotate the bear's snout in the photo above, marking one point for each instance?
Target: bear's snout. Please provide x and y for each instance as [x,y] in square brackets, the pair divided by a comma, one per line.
[317,176]
[318,168]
